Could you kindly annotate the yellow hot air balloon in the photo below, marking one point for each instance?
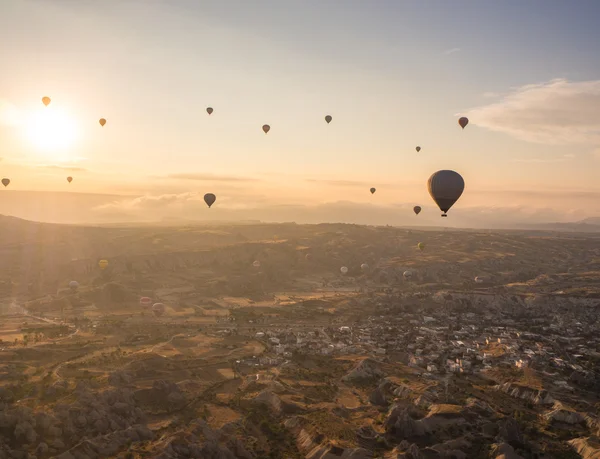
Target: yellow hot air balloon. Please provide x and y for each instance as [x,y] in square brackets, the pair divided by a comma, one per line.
[102,122]
[421,246]
[103,264]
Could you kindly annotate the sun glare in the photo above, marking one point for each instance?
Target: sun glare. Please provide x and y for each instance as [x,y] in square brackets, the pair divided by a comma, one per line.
[51,130]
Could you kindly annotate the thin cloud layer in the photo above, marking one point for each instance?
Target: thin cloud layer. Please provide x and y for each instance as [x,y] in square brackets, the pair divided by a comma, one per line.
[65,168]
[211,177]
[451,51]
[558,112]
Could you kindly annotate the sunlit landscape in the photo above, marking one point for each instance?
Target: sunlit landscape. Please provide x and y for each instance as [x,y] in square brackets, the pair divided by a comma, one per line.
[300,229]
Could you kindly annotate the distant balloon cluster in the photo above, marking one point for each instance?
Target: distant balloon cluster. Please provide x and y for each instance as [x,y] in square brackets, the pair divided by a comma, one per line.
[445,186]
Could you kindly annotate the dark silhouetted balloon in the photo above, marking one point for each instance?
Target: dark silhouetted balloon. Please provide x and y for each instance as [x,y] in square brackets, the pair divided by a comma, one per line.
[209,199]
[417,209]
[102,122]
[445,187]
[46,100]
[373,190]
[418,149]
[69,179]
[5,181]
[266,128]
[463,121]
[328,118]
[209,110]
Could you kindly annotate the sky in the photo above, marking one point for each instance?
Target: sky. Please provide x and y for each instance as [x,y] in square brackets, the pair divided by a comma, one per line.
[392,74]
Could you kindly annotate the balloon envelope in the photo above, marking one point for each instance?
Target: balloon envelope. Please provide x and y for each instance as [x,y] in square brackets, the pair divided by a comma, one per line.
[209,110]
[445,187]
[421,246]
[418,149]
[103,264]
[463,121]
[479,280]
[407,274]
[417,209]
[364,267]
[145,301]
[209,199]
[5,181]
[344,270]
[102,121]
[328,118]
[73,285]
[46,100]
[266,128]
[256,264]
[158,309]
[69,179]
[373,190]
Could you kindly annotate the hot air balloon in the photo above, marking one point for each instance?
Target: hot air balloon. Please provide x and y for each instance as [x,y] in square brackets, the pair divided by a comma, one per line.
[209,110]
[145,302]
[46,100]
[328,118]
[479,280]
[266,128]
[344,270]
[417,209]
[407,274]
[309,256]
[103,264]
[463,121]
[256,264]
[69,179]
[209,199]
[5,181]
[73,285]
[102,122]
[158,309]
[445,187]
[373,190]
[418,149]
[420,246]
[364,267]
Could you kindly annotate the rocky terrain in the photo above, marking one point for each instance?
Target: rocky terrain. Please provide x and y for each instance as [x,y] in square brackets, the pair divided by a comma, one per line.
[290,358]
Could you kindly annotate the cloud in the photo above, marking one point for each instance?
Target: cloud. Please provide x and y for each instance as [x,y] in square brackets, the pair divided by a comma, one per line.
[557,112]
[542,160]
[451,51]
[211,177]
[65,168]
[341,182]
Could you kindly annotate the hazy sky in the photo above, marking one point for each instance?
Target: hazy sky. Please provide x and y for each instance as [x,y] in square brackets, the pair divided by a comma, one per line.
[393,74]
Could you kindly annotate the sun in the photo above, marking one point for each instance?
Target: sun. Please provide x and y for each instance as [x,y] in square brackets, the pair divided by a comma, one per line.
[51,130]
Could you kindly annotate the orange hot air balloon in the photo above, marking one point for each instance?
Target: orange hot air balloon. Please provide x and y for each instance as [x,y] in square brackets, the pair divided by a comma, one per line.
[69,179]
[209,110]
[46,100]
[463,121]
[102,122]
[328,118]
[266,128]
